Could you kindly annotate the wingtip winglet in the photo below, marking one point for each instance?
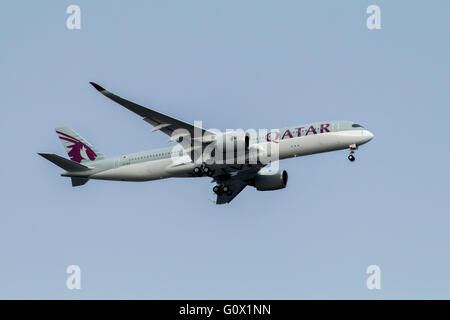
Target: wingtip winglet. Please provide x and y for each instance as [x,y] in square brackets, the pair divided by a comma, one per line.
[97,87]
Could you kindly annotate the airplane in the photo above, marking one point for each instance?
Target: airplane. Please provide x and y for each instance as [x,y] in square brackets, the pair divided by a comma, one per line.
[185,160]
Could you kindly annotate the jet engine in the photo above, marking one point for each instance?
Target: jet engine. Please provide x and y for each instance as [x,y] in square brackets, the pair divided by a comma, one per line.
[271,180]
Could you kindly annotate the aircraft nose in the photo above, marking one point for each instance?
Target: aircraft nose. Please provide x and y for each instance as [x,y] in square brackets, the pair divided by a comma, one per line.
[368,135]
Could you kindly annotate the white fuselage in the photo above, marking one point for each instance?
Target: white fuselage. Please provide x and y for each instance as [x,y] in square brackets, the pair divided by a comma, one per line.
[166,163]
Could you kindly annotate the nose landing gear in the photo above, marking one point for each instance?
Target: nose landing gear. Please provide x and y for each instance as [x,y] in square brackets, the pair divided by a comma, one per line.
[352,148]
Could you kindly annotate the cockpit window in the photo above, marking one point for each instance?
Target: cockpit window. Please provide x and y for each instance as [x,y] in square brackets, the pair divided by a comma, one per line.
[355,125]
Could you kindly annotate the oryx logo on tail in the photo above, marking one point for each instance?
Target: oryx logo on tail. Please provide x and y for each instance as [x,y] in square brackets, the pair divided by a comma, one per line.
[77,148]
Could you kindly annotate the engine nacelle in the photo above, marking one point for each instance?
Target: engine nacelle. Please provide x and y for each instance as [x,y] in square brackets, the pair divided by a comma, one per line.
[265,181]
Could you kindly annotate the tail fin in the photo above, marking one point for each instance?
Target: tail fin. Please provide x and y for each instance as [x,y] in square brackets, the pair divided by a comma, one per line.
[78,149]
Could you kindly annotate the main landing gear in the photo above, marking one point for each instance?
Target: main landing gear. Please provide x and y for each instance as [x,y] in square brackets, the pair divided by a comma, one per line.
[352,148]
[203,171]
[218,189]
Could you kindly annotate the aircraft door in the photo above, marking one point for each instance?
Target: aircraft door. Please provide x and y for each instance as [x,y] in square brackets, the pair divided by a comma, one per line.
[124,160]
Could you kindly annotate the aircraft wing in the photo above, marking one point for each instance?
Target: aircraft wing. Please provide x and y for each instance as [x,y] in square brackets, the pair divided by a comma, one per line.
[160,121]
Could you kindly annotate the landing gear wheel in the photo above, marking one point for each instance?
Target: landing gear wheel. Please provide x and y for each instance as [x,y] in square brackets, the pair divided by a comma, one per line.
[197,171]
[207,171]
[216,189]
[229,192]
[353,148]
[226,189]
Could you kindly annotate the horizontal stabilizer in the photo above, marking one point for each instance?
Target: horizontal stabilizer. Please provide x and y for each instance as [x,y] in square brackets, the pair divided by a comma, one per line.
[64,163]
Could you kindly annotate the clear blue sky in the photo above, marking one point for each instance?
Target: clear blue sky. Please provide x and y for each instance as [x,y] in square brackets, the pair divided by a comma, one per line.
[231,64]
